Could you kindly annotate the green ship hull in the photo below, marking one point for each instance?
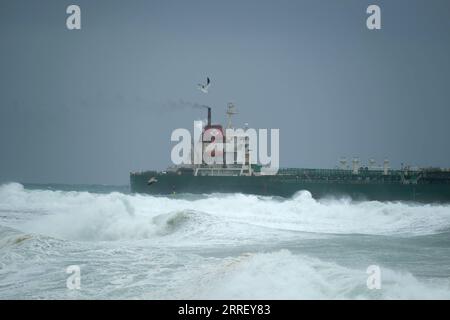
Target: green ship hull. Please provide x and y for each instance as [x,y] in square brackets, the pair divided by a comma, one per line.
[320,183]
[232,176]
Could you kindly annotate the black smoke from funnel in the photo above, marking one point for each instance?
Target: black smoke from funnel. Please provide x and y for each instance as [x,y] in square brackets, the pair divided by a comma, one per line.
[182,104]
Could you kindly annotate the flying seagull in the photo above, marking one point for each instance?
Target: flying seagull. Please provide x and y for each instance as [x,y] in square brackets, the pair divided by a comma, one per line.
[204,87]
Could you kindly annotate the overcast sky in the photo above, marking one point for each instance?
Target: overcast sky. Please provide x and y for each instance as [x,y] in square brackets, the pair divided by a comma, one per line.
[91,105]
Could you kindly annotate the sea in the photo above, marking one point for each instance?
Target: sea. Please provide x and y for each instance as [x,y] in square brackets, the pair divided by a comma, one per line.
[102,242]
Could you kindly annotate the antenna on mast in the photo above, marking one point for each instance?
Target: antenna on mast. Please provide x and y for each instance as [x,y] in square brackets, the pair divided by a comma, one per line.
[231,110]
[343,162]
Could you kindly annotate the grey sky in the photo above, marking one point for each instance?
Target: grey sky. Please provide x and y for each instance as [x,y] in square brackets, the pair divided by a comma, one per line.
[89,106]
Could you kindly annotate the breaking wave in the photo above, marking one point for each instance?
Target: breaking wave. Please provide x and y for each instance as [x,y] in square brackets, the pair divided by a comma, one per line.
[116,216]
[220,246]
[283,275]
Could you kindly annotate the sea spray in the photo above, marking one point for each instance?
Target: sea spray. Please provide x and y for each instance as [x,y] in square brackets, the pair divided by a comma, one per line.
[218,246]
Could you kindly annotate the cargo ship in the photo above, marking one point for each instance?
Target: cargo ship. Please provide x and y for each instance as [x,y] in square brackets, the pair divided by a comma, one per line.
[349,179]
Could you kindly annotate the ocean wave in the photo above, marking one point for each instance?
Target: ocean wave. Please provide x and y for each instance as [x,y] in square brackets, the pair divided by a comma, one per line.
[116,216]
[284,275]
[10,237]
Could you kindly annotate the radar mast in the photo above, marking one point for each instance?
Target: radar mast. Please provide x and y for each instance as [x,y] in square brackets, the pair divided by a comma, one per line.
[231,110]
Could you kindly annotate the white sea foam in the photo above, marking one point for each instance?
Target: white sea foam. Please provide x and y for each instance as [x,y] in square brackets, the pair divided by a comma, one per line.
[34,268]
[283,275]
[135,246]
[116,216]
